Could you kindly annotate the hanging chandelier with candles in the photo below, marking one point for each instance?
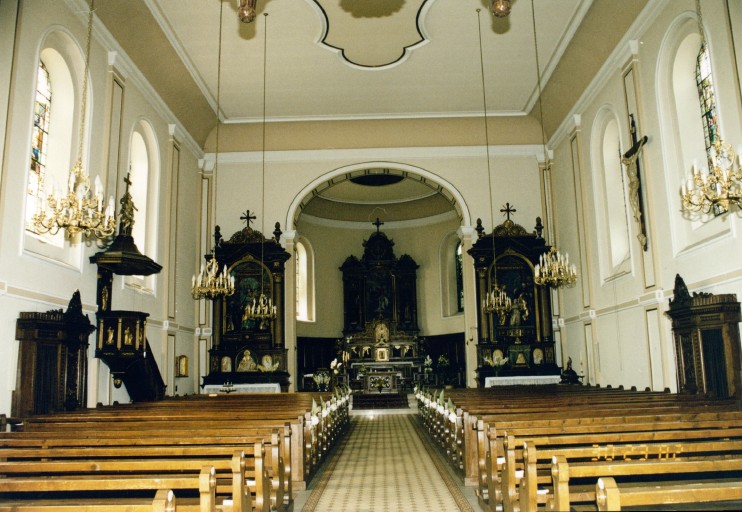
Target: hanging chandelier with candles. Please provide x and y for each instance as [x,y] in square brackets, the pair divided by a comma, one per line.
[498,302]
[554,270]
[262,308]
[717,189]
[210,284]
[79,210]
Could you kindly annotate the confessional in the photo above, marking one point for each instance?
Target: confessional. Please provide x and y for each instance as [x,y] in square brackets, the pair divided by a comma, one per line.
[52,360]
[706,333]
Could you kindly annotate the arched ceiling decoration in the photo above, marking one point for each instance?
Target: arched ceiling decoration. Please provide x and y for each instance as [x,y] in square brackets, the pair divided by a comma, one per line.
[367,192]
[373,34]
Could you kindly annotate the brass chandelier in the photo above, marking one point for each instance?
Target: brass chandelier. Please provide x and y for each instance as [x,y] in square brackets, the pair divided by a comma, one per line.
[209,284]
[498,302]
[554,270]
[78,210]
[262,308]
[717,189]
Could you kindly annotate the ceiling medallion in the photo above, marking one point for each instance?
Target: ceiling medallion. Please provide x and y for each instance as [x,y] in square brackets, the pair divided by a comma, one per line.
[373,35]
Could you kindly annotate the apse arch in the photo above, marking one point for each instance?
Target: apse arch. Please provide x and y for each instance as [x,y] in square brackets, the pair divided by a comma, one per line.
[407,171]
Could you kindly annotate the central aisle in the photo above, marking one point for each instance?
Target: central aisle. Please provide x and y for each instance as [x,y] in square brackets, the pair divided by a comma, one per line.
[384,465]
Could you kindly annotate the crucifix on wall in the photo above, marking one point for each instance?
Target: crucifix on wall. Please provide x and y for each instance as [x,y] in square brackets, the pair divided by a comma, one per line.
[633,170]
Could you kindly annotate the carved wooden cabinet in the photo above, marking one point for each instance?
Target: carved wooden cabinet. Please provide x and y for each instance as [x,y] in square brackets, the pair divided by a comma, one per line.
[52,360]
[522,333]
[706,333]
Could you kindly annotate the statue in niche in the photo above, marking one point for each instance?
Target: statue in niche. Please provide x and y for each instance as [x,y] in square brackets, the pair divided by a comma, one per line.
[519,312]
[128,337]
[247,363]
[109,336]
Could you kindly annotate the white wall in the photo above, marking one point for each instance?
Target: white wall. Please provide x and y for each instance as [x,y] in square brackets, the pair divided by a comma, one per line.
[618,326]
[29,282]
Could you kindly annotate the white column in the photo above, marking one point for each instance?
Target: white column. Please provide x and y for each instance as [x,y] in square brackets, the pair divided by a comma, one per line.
[468,237]
[288,239]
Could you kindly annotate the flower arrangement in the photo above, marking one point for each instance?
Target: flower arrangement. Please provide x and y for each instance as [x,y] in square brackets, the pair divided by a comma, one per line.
[443,369]
[335,366]
[496,362]
[428,364]
[443,362]
[321,380]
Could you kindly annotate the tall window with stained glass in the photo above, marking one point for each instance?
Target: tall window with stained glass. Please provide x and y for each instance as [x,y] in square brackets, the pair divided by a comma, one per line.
[707,99]
[40,140]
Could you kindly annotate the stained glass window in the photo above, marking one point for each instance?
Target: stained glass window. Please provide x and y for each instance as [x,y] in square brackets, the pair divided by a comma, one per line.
[707,99]
[40,139]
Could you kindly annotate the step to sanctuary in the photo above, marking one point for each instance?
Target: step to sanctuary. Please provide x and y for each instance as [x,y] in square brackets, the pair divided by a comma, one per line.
[380,401]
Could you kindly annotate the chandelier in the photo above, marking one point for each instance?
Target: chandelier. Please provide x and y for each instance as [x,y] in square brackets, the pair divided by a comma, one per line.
[500,8]
[210,284]
[78,210]
[498,302]
[554,270]
[717,189]
[246,10]
[261,309]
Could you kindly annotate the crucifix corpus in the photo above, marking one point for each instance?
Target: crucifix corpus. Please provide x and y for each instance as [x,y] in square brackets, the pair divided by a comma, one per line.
[633,170]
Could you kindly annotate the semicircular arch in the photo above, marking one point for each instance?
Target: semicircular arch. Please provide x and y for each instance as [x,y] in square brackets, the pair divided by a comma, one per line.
[407,171]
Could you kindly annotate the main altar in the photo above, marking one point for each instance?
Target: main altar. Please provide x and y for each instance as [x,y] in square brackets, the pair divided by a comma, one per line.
[381,346]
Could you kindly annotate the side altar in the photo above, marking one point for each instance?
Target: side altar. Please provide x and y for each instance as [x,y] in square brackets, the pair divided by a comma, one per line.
[381,346]
[248,344]
[514,315]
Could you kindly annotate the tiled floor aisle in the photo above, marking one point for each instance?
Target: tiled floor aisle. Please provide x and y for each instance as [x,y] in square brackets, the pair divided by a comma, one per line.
[383,466]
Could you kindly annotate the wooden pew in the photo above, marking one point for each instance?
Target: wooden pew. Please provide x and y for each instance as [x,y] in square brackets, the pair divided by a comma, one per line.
[203,482]
[612,497]
[616,460]
[596,439]
[471,430]
[186,428]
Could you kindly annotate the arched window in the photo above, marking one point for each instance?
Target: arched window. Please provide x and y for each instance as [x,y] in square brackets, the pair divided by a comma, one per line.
[681,65]
[39,141]
[707,99]
[303,259]
[144,171]
[615,204]
[54,130]
[612,215]
[450,258]
[139,177]
[459,277]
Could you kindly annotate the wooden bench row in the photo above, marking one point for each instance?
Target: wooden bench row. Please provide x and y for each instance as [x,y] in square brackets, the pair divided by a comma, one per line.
[579,424]
[99,456]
